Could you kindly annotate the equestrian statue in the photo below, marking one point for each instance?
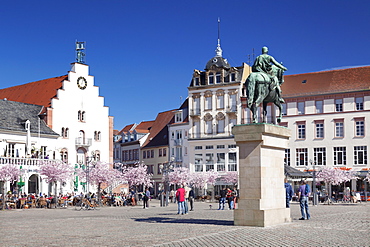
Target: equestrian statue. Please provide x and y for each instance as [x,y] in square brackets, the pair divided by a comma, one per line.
[263,85]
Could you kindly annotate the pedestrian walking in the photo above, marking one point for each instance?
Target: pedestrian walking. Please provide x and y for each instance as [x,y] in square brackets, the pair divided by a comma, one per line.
[146,197]
[303,194]
[222,200]
[191,199]
[288,193]
[180,198]
[186,205]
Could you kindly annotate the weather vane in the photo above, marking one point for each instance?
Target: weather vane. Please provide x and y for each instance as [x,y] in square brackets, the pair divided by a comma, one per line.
[80,54]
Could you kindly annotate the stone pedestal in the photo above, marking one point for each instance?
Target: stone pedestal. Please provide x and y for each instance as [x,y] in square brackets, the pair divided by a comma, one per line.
[261,175]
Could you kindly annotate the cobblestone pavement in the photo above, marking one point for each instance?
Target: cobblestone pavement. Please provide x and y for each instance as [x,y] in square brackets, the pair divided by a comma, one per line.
[330,225]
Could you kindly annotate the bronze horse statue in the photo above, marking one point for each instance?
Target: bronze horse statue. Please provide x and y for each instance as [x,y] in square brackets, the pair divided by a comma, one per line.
[264,88]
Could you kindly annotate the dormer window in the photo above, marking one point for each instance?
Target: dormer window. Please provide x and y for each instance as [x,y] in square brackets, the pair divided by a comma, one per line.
[211,78]
[178,117]
[196,81]
[218,77]
[232,77]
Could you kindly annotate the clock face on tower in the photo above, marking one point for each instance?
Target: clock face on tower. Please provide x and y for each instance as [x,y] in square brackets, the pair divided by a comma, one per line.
[81,83]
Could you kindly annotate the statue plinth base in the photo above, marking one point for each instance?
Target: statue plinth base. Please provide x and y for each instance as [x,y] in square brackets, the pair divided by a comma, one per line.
[261,175]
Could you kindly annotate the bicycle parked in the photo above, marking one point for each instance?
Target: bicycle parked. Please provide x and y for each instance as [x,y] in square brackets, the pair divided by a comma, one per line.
[85,204]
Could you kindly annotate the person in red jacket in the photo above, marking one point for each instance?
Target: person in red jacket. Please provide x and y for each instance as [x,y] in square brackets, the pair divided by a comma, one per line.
[180,198]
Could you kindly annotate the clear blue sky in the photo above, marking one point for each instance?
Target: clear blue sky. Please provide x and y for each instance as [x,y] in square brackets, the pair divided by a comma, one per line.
[143,53]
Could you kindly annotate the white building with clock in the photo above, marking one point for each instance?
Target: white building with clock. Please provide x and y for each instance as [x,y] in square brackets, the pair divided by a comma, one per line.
[73,108]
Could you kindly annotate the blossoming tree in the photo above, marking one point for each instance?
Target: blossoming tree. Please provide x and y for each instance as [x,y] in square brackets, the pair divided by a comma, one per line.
[179,175]
[56,172]
[138,175]
[201,179]
[101,173]
[332,176]
[8,173]
[231,178]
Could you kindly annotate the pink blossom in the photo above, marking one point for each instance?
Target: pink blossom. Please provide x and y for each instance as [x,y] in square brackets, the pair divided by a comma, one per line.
[56,172]
[231,178]
[179,175]
[200,179]
[9,173]
[138,175]
[102,173]
[335,176]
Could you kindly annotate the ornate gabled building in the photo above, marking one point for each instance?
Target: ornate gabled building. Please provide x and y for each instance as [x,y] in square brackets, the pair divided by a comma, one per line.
[214,108]
[73,108]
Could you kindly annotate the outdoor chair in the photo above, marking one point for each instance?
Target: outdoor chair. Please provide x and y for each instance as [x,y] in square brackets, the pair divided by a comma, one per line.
[42,203]
[22,203]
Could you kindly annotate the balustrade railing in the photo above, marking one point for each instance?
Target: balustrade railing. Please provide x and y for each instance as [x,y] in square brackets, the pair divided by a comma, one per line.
[26,161]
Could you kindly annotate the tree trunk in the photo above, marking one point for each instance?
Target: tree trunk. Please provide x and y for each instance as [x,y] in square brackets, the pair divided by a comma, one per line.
[55,195]
[99,195]
[3,197]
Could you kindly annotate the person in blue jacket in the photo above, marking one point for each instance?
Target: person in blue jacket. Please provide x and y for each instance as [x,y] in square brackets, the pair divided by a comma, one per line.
[289,193]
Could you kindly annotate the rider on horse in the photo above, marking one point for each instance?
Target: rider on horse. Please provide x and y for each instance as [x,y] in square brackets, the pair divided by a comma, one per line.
[263,64]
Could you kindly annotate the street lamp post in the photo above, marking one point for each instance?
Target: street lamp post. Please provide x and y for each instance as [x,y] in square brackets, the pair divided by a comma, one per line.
[314,198]
[165,169]
[89,159]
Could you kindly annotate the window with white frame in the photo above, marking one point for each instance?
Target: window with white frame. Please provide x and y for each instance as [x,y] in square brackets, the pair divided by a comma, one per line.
[196,106]
[208,147]
[340,156]
[178,134]
[360,127]
[319,125]
[284,109]
[221,126]
[220,101]
[301,156]
[232,77]
[301,130]
[208,103]
[359,104]
[287,157]
[300,108]
[339,128]
[360,156]
[319,155]
[209,162]
[178,117]
[218,77]
[319,106]
[196,129]
[233,102]
[198,162]
[221,162]
[339,105]
[232,165]
[209,127]
[211,78]
[198,147]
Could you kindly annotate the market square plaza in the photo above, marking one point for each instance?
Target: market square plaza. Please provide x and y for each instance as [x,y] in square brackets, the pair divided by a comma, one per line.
[331,225]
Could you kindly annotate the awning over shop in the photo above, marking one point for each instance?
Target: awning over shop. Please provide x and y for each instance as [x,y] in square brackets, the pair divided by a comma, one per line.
[295,173]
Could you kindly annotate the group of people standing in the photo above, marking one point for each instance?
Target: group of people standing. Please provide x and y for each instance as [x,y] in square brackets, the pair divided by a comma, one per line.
[304,192]
[229,196]
[184,195]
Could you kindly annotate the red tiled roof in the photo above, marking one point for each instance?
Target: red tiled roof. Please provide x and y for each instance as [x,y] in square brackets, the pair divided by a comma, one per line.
[37,93]
[158,132]
[325,82]
[144,127]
